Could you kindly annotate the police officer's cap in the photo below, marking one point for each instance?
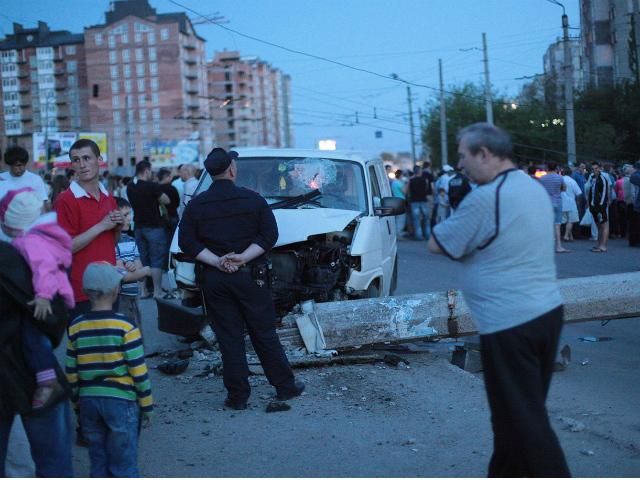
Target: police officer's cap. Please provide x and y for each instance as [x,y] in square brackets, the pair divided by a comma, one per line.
[219,160]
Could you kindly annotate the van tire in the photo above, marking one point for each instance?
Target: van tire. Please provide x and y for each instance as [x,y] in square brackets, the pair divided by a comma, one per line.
[373,291]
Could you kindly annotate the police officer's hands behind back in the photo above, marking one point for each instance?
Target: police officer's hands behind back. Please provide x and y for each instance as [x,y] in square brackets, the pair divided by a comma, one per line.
[229,263]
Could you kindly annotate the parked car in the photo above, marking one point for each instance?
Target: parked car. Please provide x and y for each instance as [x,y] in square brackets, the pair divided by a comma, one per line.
[337,236]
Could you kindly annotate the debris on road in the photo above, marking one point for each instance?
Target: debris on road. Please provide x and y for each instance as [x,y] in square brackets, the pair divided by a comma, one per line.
[595,339]
[573,424]
[585,362]
[273,407]
[588,453]
[394,360]
[467,357]
[173,367]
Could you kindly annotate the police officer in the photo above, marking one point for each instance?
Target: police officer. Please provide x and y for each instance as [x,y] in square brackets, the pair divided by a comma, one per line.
[217,223]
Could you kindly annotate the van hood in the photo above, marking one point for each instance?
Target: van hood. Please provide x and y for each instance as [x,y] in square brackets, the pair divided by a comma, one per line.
[298,224]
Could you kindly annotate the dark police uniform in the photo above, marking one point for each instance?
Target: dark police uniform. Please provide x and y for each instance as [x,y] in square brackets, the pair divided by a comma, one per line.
[225,219]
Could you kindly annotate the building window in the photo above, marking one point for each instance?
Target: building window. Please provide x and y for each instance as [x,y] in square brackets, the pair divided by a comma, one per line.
[70,49]
[114,71]
[98,39]
[130,101]
[144,130]
[127,71]
[138,37]
[151,38]
[115,87]
[127,86]
[116,117]
[124,38]
[126,55]
[44,52]
[72,66]
[113,57]
[139,54]
[152,54]
[154,84]
[155,98]
[115,101]
[156,114]
[153,68]
[73,81]
[117,132]
[112,41]
[156,129]
[142,100]
[141,84]
[143,115]
[164,34]
[140,69]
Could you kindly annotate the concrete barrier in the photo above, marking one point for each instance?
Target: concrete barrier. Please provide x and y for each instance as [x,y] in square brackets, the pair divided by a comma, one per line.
[340,325]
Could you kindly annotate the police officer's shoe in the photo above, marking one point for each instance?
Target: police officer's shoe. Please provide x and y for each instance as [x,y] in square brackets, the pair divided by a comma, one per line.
[298,388]
[235,404]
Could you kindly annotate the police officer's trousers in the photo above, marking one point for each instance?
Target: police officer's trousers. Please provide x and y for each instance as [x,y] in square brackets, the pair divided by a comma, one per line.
[235,301]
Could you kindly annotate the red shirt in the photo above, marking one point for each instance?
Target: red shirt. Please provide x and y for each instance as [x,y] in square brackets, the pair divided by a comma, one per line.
[78,212]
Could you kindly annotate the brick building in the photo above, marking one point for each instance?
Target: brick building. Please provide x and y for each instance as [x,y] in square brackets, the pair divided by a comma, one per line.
[44,84]
[250,102]
[147,82]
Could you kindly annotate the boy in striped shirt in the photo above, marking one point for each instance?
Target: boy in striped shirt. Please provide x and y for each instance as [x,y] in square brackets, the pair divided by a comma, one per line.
[108,376]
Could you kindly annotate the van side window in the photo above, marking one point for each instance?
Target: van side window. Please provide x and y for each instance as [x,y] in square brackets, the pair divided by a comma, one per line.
[375,187]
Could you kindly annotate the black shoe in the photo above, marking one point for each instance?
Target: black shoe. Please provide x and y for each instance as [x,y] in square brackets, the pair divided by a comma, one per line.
[298,388]
[235,405]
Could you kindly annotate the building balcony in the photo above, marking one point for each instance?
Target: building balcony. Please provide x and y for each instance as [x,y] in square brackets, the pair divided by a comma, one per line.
[192,90]
[191,61]
[191,75]
[22,74]
[24,88]
[190,45]
[59,71]
[193,105]
[58,59]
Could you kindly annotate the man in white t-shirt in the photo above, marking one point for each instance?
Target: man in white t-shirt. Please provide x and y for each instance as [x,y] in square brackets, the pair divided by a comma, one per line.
[502,234]
[188,175]
[16,159]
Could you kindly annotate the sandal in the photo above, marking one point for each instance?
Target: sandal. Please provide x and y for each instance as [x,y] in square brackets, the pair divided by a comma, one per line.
[598,250]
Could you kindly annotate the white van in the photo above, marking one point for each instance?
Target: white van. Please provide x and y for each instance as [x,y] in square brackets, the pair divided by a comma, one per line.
[337,233]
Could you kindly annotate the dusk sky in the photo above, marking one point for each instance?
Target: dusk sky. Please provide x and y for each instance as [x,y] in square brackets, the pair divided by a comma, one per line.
[405,37]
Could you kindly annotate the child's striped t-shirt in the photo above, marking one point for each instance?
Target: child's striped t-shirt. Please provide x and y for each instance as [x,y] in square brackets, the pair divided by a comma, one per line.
[105,358]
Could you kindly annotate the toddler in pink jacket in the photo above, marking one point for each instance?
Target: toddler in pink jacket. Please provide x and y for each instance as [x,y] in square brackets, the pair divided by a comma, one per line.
[46,247]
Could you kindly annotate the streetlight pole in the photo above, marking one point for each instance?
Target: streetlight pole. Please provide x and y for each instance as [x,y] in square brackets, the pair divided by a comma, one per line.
[487,82]
[568,88]
[413,140]
[443,119]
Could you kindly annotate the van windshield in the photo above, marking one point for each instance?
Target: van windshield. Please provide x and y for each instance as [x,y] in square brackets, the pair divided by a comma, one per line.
[340,182]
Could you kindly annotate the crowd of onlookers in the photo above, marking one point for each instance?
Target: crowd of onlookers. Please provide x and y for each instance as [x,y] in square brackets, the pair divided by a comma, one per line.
[596,202]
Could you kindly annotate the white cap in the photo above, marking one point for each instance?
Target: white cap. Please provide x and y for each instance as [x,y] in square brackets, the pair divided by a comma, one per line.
[23,209]
[447,168]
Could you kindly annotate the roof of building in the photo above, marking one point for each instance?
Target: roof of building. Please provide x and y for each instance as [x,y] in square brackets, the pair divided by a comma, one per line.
[40,36]
[121,9]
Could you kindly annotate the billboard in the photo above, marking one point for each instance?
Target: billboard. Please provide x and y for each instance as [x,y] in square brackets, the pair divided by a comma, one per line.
[58,144]
[171,153]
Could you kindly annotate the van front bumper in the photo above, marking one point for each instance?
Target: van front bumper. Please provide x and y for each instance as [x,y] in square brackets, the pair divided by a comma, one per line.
[175,318]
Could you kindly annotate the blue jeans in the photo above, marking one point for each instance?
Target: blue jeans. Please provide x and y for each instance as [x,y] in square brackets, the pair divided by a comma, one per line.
[38,352]
[421,212]
[152,244]
[50,435]
[110,425]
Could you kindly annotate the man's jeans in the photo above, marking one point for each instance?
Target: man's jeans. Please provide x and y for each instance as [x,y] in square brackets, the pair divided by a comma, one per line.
[111,425]
[421,212]
[50,436]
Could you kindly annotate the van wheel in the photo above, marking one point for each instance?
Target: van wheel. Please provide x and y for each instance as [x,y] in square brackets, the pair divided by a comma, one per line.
[373,291]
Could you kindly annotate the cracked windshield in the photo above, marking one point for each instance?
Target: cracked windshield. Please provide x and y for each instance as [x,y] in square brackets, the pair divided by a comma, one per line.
[340,183]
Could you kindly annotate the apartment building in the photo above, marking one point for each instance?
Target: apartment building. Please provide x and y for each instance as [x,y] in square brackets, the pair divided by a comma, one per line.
[249,102]
[44,84]
[147,84]
[606,34]
[554,70]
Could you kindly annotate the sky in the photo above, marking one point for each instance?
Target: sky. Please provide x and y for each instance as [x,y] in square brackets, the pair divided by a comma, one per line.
[373,39]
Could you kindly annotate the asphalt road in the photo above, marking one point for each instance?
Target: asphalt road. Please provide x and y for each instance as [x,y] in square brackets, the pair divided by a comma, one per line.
[429,418]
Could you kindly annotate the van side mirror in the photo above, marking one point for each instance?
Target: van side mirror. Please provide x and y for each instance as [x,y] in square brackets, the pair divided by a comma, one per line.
[390,206]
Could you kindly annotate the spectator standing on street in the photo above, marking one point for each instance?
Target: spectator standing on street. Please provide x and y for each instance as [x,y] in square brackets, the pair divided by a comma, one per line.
[188,175]
[17,177]
[89,215]
[620,205]
[554,185]
[237,287]
[49,431]
[506,248]
[399,190]
[598,193]
[634,218]
[421,203]
[442,193]
[146,197]
[569,206]
[108,376]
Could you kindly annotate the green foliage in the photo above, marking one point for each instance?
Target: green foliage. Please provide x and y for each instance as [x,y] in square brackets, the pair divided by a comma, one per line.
[607,123]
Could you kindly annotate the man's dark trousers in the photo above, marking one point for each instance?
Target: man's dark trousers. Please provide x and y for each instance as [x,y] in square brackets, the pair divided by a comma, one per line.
[235,301]
[518,364]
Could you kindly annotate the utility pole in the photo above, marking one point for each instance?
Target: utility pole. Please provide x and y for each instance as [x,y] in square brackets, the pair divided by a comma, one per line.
[487,83]
[635,39]
[411,129]
[443,120]
[568,92]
